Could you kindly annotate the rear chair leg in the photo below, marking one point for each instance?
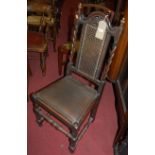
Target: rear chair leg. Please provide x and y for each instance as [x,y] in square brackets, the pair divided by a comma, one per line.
[94,111]
[54,33]
[43,62]
[60,60]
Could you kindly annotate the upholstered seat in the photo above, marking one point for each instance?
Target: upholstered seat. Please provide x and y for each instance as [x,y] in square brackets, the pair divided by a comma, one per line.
[69,98]
[36,42]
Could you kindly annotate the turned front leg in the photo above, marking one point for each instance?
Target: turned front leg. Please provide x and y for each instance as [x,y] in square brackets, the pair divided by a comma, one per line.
[39,118]
[73,141]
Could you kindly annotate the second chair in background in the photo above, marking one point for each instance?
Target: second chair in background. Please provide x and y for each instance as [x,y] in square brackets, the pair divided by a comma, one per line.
[43,21]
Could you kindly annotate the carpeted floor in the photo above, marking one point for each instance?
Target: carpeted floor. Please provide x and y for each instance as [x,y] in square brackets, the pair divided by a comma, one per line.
[98,140]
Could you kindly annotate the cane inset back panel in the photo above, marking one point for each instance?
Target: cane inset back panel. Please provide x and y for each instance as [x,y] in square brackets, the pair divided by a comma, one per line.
[92,49]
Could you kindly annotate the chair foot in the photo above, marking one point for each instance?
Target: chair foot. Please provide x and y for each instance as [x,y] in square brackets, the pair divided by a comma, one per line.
[39,118]
[93,112]
[72,146]
[72,143]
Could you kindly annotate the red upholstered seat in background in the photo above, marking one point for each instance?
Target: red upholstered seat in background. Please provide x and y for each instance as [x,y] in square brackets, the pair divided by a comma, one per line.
[36,42]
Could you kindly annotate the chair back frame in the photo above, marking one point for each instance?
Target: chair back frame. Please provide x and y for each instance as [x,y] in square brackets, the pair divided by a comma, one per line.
[91,22]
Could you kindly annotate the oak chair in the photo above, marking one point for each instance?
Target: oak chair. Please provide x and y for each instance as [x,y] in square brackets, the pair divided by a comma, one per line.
[64,49]
[40,18]
[37,41]
[70,99]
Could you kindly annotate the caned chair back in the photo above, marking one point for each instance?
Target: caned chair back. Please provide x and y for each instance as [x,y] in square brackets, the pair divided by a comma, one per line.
[95,38]
[93,46]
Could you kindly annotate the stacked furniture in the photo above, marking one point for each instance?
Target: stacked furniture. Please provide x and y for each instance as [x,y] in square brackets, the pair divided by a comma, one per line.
[43,23]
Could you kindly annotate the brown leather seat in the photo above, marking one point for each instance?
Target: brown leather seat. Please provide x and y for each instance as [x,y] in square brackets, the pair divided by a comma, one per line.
[69,98]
